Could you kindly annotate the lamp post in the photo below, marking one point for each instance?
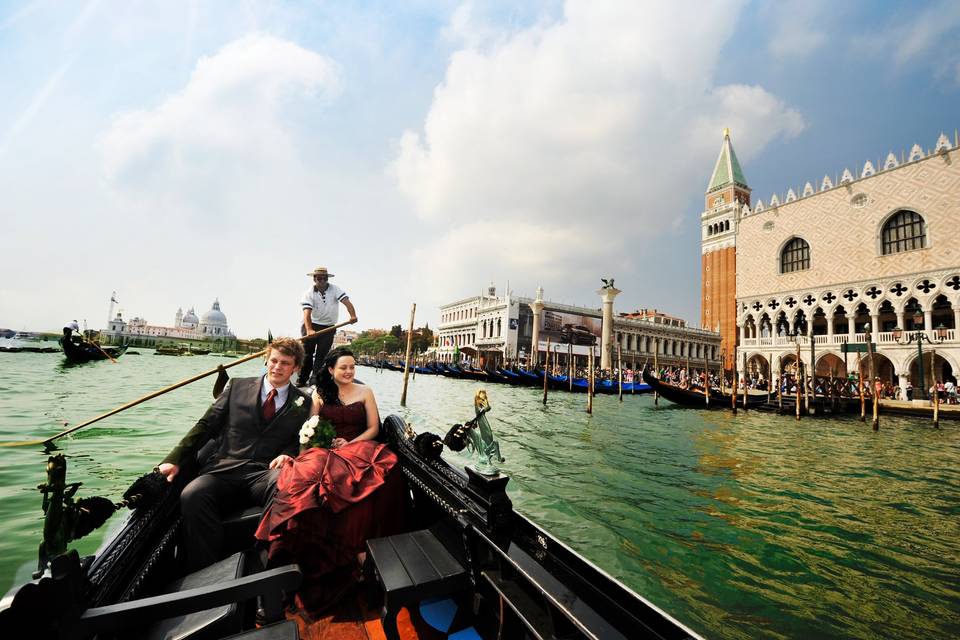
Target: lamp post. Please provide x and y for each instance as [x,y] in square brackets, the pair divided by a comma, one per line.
[919,336]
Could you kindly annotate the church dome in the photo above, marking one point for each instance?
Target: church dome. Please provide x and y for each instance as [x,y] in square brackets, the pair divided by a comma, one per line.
[190,319]
[214,317]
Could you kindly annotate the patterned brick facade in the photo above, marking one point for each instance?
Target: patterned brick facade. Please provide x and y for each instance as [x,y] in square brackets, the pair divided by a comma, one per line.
[842,226]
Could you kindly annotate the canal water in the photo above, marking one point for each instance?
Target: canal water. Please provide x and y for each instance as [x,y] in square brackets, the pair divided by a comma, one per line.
[752,526]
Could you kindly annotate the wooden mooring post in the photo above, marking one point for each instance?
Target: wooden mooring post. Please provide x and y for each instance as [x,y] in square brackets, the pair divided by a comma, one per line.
[936,390]
[706,381]
[734,389]
[656,370]
[745,374]
[863,402]
[873,384]
[570,368]
[546,373]
[620,371]
[590,382]
[769,375]
[406,359]
[798,380]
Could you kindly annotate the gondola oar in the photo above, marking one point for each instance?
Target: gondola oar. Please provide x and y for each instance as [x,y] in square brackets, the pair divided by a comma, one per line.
[112,359]
[182,383]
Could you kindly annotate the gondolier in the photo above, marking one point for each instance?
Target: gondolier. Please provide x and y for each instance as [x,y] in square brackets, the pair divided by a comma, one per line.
[321,308]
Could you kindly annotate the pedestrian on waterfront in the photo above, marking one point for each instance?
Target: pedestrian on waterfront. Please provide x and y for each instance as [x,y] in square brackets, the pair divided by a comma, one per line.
[321,308]
[255,423]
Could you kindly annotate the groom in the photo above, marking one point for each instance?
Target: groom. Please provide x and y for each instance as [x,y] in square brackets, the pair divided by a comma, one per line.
[256,421]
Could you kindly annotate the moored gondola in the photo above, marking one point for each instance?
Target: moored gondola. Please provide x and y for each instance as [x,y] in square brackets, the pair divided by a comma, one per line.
[696,398]
[504,575]
[85,351]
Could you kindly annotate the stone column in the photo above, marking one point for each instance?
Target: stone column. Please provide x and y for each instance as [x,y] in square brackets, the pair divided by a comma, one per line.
[537,306]
[956,318]
[928,320]
[830,319]
[900,321]
[607,294]
[874,324]
[851,326]
[903,379]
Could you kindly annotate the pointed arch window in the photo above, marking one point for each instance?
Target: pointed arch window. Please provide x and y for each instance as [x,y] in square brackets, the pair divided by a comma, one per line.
[795,256]
[904,231]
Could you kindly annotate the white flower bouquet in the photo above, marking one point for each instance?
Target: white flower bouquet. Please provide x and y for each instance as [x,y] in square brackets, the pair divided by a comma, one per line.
[316,432]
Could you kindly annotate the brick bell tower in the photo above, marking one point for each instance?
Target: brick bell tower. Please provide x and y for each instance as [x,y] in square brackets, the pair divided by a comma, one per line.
[726,196]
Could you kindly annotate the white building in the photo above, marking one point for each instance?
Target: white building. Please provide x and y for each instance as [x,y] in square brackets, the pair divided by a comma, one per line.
[211,326]
[491,328]
[875,248]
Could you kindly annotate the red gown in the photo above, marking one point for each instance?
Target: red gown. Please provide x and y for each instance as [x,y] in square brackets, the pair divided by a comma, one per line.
[329,502]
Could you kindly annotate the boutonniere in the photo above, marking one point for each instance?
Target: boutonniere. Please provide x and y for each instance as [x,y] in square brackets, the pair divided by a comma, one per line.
[299,401]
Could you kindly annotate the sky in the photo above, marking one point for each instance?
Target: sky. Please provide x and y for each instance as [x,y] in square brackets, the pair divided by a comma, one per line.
[181,151]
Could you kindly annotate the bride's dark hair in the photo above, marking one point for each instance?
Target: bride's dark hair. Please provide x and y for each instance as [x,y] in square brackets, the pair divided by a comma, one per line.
[326,387]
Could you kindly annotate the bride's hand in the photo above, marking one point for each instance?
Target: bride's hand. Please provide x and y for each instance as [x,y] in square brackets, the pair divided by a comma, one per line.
[317,403]
[337,443]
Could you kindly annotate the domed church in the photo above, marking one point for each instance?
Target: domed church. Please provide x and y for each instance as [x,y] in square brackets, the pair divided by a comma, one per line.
[186,326]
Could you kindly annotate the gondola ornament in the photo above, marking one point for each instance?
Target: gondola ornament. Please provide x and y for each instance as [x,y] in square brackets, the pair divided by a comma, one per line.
[477,434]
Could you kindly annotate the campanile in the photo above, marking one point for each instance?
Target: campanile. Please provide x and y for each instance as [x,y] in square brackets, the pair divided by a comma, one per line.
[726,195]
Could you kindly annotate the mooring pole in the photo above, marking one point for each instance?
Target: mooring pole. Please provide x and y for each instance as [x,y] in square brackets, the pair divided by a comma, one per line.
[656,370]
[798,380]
[590,381]
[620,371]
[406,360]
[745,374]
[936,390]
[863,402]
[706,381]
[873,384]
[769,375]
[546,374]
[570,365]
[734,389]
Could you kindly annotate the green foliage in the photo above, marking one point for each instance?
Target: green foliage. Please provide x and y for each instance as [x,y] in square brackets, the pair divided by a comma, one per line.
[375,341]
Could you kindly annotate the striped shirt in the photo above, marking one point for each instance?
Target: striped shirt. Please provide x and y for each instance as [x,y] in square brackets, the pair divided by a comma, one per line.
[324,307]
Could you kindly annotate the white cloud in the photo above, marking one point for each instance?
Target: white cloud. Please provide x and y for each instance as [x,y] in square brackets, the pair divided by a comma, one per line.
[596,125]
[797,29]
[224,143]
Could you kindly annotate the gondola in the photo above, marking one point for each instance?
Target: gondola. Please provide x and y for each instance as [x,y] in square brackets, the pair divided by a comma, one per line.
[501,574]
[87,351]
[696,398]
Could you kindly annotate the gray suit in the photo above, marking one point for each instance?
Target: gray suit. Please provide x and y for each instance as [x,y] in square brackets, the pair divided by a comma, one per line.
[237,474]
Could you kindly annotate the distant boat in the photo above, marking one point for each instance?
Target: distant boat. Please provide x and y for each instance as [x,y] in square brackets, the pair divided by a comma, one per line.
[86,351]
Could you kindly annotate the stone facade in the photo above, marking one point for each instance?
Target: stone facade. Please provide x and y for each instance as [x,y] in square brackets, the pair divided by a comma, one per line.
[848,284]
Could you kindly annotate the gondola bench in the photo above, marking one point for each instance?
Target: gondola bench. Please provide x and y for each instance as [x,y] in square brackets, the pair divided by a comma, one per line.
[411,567]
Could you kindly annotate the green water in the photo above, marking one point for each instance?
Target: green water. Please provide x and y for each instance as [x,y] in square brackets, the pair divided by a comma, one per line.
[741,527]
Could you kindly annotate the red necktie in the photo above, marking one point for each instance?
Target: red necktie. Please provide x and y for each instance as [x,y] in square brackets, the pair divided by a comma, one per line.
[270,406]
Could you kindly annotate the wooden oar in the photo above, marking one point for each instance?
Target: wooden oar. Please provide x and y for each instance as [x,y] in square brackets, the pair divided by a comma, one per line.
[150,396]
[104,352]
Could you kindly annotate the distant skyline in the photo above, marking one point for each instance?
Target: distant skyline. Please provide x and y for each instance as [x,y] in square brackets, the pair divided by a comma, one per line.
[178,152]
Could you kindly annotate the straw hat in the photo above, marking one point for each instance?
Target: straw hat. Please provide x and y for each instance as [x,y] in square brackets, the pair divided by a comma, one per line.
[320,271]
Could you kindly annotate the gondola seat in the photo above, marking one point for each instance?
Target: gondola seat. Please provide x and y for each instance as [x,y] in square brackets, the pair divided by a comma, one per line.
[410,568]
[205,604]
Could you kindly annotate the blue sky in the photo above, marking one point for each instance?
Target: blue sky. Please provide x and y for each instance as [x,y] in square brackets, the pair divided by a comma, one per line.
[180,151]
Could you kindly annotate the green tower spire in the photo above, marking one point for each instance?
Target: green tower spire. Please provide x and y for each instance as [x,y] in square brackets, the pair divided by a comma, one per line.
[727,170]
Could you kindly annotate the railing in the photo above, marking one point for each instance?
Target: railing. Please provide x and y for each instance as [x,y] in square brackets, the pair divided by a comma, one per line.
[883,337]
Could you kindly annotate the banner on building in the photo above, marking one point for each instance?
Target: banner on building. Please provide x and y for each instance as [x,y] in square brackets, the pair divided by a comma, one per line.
[569,328]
